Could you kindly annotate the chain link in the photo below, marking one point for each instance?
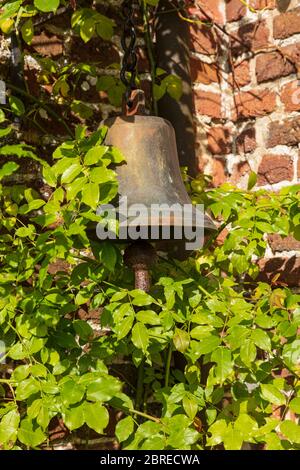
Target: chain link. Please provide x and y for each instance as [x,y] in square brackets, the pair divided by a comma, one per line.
[128,41]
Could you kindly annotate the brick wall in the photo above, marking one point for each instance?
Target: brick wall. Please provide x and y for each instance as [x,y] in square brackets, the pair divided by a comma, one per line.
[247,92]
[246,79]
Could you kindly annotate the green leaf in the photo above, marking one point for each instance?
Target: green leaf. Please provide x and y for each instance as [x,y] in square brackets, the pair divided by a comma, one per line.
[123,327]
[271,394]
[252,180]
[71,392]
[108,256]
[233,439]
[104,27]
[16,105]
[83,329]
[295,405]
[90,195]
[148,317]
[75,187]
[8,169]
[124,428]
[96,416]
[217,430]
[74,417]
[222,356]
[174,86]
[30,433]
[70,173]
[181,340]
[7,130]
[291,430]
[140,336]
[9,427]
[46,5]
[95,154]
[140,298]
[190,406]
[49,176]
[207,345]
[246,425]
[27,388]
[27,31]
[105,82]
[21,372]
[248,352]
[87,29]
[291,353]
[103,389]
[2,117]
[261,339]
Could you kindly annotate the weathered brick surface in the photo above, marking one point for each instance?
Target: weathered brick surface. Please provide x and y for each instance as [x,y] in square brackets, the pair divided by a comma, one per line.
[201,72]
[47,44]
[290,96]
[278,243]
[275,168]
[208,103]
[218,172]
[287,24]
[259,88]
[285,132]
[254,103]
[239,171]
[272,65]
[288,268]
[219,140]
[203,40]
[246,141]
[262,4]
[241,74]
[235,10]
[208,9]
[250,37]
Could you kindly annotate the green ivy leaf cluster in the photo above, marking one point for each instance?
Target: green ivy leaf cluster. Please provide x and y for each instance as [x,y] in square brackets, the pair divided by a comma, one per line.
[215,349]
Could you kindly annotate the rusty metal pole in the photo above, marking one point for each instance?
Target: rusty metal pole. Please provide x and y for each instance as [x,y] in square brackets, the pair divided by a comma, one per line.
[140,257]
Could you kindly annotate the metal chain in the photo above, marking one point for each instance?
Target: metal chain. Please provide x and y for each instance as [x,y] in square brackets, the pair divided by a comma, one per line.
[128,41]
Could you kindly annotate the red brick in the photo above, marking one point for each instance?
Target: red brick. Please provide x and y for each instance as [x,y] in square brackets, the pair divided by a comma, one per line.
[278,243]
[218,172]
[201,72]
[235,10]
[290,96]
[285,132]
[219,140]
[287,24]
[241,74]
[202,40]
[246,141]
[213,9]
[240,170]
[252,36]
[273,65]
[262,4]
[288,268]
[254,103]
[208,103]
[275,168]
[47,44]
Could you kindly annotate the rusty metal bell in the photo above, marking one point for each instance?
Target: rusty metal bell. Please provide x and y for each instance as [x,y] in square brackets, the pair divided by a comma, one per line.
[151,172]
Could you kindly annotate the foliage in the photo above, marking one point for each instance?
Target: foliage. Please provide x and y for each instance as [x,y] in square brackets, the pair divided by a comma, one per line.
[215,350]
